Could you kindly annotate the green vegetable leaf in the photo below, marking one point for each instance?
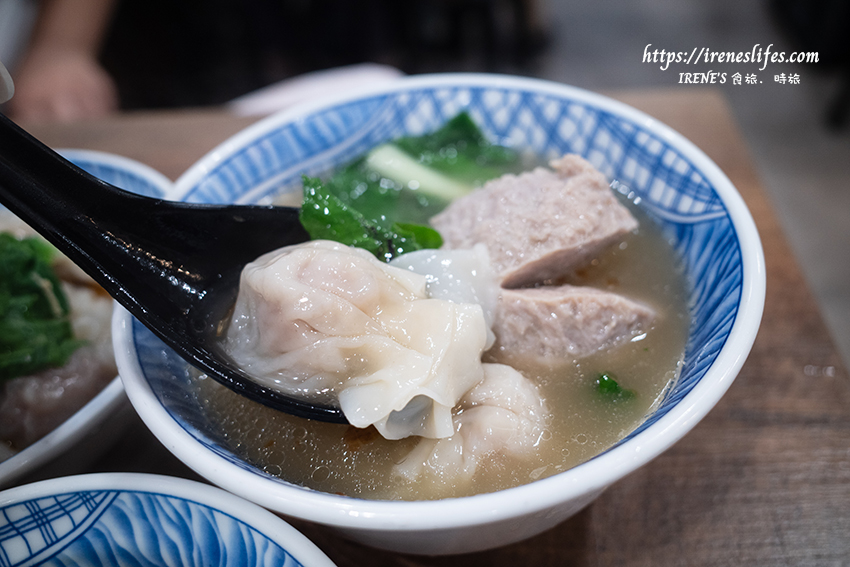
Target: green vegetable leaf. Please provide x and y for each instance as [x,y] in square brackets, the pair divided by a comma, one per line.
[606,384]
[35,328]
[413,178]
[325,216]
[378,196]
[382,201]
[424,236]
[460,150]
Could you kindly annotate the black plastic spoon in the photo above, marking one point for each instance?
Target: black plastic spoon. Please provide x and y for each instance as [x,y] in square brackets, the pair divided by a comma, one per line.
[174,266]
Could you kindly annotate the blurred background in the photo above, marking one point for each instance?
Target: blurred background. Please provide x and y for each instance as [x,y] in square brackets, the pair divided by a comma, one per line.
[166,53]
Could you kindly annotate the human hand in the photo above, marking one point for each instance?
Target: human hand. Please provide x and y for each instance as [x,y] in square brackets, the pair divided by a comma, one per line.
[61,86]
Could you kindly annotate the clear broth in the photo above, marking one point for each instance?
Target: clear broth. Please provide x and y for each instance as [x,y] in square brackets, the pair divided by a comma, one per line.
[344,460]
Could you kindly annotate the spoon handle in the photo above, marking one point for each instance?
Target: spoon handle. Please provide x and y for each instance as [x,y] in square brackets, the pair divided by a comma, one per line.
[47,192]
[129,243]
[174,266]
[91,222]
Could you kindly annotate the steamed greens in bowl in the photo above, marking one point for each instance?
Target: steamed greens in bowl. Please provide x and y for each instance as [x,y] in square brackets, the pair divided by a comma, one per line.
[35,325]
[55,346]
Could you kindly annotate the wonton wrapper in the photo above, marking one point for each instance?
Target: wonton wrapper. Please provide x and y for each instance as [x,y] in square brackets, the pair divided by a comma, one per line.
[460,276]
[504,414]
[324,321]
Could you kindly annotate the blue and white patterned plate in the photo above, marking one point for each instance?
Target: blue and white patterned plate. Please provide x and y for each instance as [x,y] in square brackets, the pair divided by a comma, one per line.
[96,423]
[684,191]
[134,519]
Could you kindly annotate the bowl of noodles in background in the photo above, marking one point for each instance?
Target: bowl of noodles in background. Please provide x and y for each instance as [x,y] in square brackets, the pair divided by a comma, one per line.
[57,421]
[669,183]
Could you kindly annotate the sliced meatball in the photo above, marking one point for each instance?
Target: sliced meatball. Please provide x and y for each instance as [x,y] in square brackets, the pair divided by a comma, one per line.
[546,324]
[538,225]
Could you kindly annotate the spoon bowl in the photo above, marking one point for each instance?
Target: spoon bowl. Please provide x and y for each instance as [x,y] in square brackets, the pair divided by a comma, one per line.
[174,266]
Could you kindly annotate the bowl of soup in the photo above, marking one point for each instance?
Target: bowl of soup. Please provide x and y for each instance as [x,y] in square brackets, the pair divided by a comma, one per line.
[558,289]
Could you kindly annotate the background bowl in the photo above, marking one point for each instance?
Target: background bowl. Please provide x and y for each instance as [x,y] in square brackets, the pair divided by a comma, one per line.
[693,201]
[121,519]
[84,435]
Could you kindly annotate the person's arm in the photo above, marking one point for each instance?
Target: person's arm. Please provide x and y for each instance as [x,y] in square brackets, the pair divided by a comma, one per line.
[59,77]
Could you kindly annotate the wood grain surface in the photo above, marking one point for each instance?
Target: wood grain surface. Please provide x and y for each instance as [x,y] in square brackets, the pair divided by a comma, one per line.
[764,479]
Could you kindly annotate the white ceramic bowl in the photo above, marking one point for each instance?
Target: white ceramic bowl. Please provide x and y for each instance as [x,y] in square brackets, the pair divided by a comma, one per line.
[83,436]
[694,202]
[127,519]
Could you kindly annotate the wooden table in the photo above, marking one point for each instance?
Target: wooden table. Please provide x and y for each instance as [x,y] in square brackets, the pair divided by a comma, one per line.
[764,479]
